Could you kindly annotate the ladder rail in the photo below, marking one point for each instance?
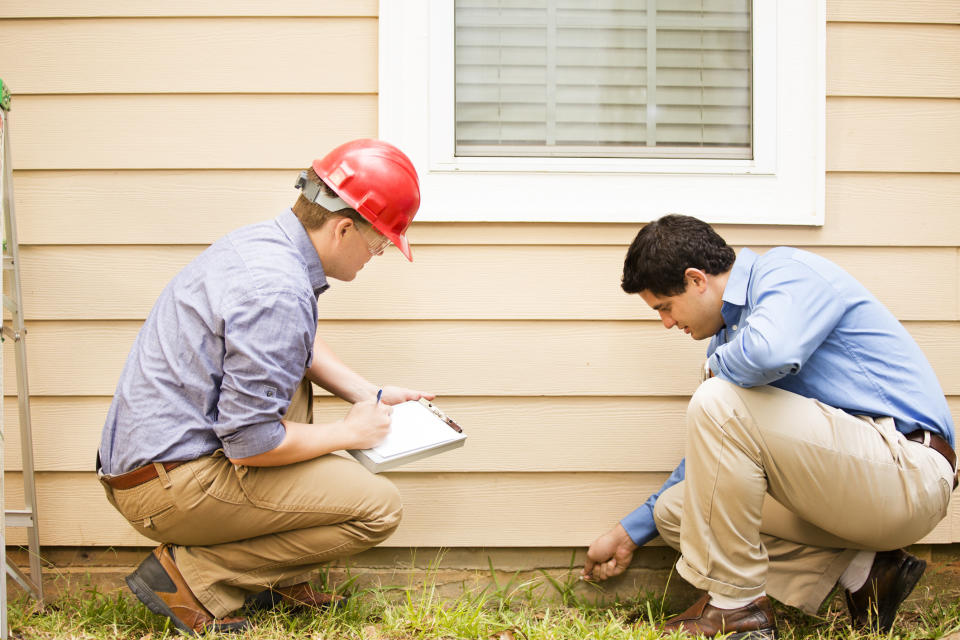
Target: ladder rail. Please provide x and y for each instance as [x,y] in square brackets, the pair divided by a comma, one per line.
[23,384]
[8,304]
[13,302]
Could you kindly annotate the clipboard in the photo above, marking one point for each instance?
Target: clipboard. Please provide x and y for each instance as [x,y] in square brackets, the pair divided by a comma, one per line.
[419,429]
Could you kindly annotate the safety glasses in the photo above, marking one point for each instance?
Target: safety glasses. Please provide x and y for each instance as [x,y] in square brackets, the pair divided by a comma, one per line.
[376,241]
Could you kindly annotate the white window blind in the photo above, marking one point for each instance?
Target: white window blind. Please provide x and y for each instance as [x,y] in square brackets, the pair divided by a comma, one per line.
[608,78]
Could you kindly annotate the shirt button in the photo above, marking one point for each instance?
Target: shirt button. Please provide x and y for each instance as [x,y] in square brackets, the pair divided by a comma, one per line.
[734,327]
[269,394]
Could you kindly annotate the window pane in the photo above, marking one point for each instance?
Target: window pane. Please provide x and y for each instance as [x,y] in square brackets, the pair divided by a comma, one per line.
[608,78]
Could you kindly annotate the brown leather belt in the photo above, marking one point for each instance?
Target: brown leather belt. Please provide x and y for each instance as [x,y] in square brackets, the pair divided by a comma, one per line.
[138,476]
[939,445]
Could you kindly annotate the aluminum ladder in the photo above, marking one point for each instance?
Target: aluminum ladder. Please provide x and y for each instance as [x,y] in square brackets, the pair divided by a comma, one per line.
[15,330]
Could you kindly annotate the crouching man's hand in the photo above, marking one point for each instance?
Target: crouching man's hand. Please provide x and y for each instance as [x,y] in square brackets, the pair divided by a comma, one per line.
[609,555]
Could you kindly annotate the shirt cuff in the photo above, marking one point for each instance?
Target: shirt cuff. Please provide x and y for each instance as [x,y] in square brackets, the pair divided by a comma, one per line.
[640,526]
[253,439]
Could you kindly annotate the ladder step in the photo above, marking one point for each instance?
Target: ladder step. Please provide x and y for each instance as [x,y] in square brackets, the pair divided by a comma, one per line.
[18,518]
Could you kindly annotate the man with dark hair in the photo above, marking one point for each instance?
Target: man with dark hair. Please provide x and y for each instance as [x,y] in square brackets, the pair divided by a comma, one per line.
[209,446]
[820,444]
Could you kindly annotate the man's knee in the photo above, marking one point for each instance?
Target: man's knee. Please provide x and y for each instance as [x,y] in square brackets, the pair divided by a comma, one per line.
[713,402]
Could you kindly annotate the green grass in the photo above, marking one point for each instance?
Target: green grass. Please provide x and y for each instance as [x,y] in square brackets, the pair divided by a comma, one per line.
[542,608]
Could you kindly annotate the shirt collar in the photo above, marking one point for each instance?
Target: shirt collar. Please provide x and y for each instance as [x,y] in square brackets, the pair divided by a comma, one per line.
[291,226]
[735,293]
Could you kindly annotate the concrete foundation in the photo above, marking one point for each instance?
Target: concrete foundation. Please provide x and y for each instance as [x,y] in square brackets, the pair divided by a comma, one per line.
[545,575]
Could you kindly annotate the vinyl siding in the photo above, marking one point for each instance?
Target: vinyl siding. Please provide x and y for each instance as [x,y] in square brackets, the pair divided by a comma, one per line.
[144,131]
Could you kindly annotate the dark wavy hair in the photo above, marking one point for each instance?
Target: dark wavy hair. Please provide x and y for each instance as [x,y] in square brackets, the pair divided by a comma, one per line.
[664,249]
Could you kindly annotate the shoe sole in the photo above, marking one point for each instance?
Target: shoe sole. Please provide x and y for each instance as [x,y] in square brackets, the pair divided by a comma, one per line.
[911,570]
[153,602]
[759,634]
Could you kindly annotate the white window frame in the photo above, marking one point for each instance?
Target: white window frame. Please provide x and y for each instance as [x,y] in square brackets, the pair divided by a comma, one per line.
[782,184]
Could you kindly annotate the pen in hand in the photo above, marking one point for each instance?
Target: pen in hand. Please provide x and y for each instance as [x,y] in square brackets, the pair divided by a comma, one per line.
[379,393]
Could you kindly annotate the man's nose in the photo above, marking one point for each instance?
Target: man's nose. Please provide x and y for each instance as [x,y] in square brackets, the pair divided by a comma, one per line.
[667,321]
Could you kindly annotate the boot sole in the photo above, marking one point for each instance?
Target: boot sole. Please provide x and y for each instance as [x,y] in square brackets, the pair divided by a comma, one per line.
[912,569]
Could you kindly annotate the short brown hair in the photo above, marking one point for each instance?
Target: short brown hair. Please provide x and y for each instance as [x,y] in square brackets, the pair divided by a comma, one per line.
[312,215]
[664,249]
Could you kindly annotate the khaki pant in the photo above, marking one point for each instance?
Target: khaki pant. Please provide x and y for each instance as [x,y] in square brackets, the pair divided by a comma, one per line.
[241,529]
[781,491]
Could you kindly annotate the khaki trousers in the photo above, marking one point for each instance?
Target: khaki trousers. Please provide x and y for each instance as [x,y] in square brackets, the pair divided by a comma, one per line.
[781,491]
[238,529]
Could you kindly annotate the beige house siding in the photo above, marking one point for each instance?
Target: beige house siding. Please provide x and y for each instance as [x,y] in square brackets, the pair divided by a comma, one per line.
[142,131]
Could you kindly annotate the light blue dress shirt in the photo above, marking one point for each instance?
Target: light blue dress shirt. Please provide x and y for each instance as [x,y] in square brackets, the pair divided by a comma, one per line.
[798,322]
[219,357]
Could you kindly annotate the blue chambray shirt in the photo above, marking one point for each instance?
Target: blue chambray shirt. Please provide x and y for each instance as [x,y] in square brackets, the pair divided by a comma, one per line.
[219,357]
[796,321]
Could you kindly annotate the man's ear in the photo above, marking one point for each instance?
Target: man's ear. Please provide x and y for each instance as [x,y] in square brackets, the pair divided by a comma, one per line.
[696,278]
[340,227]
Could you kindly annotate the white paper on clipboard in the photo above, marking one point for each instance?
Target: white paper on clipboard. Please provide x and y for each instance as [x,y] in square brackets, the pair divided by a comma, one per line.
[418,429]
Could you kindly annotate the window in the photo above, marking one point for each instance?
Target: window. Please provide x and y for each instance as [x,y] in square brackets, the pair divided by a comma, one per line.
[612,79]
[617,111]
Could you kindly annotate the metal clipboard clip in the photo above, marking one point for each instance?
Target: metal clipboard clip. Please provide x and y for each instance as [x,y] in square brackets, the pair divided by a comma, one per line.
[440,414]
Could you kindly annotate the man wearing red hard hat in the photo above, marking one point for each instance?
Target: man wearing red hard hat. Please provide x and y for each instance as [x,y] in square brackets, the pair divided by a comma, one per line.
[209,446]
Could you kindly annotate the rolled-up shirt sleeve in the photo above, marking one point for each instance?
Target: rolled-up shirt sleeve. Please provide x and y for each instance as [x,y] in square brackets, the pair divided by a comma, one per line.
[268,338]
[793,312]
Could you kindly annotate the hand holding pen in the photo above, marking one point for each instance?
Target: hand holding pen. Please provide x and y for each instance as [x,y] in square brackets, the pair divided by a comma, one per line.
[368,423]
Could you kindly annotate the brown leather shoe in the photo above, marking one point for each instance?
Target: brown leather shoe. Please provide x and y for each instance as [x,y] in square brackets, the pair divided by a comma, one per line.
[297,596]
[755,621]
[892,577]
[159,584]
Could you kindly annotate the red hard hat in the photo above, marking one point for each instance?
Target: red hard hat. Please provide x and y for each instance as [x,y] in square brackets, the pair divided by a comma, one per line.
[379,181]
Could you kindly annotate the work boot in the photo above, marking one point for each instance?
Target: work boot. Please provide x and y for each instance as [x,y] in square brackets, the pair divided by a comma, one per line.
[754,621]
[297,597]
[159,584]
[892,577]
